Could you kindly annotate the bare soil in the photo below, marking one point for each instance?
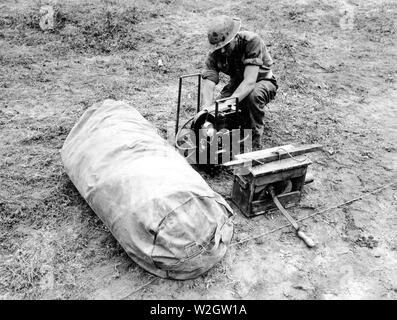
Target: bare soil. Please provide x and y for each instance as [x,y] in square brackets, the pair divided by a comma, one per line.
[336,65]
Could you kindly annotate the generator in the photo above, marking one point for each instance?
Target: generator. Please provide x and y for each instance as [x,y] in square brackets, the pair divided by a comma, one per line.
[211,137]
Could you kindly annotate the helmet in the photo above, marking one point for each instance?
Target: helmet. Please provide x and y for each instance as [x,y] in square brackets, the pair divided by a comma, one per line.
[221,30]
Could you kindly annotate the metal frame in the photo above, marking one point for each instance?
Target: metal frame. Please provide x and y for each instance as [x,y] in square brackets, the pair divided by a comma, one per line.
[223,100]
[178,110]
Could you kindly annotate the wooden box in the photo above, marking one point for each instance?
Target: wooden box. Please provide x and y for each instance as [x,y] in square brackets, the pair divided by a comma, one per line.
[249,191]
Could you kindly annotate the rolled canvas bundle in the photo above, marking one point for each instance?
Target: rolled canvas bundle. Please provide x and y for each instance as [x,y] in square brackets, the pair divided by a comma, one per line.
[159,209]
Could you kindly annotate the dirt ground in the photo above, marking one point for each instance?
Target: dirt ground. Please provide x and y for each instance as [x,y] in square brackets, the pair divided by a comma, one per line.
[336,66]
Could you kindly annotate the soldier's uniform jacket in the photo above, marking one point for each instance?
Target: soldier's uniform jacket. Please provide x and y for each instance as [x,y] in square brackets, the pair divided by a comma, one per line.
[249,50]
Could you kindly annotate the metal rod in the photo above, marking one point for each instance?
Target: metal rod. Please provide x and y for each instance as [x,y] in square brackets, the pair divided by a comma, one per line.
[237,104]
[178,109]
[190,75]
[199,93]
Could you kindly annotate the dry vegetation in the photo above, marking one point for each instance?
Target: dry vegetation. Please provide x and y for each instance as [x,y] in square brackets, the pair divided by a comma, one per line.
[337,88]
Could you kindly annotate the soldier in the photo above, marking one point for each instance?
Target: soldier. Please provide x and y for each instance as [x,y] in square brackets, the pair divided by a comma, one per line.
[243,56]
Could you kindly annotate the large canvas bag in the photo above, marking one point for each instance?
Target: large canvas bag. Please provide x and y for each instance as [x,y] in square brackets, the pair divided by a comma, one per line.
[159,209]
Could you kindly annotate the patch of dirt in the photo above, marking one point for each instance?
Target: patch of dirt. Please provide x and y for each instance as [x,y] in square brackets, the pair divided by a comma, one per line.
[335,63]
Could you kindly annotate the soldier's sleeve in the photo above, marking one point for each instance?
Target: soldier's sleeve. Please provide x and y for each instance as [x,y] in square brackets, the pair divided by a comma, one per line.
[254,51]
[210,70]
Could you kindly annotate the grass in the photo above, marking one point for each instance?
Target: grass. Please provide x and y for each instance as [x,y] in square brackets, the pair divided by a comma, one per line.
[85,27]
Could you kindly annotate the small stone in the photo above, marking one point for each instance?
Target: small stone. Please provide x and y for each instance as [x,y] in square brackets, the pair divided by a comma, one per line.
[47,18]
